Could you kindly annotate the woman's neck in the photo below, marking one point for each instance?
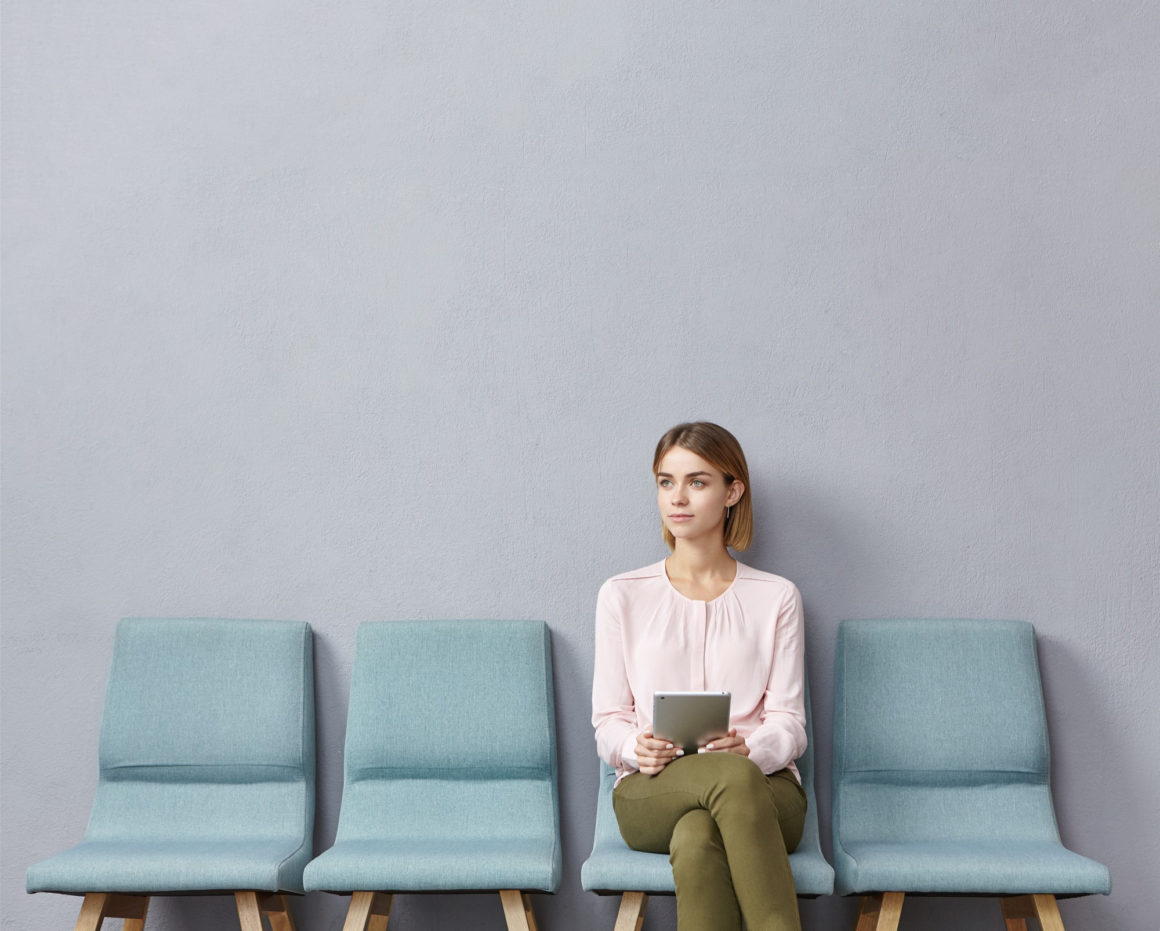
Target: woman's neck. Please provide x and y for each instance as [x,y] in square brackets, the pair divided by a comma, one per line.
[701,564]
[701,575]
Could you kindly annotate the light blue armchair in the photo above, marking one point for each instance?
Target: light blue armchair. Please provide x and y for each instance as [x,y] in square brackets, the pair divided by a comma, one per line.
[614,868]
[450,771]
[941,781]
[206,772]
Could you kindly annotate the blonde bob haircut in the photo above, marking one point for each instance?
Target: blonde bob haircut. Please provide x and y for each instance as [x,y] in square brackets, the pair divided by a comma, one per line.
[718,447]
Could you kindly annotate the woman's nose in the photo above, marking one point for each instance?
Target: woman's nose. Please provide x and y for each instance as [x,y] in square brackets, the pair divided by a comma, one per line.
[678,496]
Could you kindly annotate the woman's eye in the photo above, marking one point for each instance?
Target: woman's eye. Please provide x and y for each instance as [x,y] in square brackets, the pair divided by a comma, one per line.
[697,483]
[665,483]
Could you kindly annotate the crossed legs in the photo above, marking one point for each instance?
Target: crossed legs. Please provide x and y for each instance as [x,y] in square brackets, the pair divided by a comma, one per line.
[728,830]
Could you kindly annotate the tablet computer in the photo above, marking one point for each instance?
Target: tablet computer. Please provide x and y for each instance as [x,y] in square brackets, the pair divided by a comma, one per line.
[690,719]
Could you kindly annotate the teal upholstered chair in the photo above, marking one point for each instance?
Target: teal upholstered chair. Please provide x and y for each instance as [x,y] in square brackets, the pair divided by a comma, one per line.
[450,772]
[614,868]
[206,772]
[941,782]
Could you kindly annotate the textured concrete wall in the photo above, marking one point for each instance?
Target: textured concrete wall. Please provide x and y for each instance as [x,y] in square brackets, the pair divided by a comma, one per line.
[347,311]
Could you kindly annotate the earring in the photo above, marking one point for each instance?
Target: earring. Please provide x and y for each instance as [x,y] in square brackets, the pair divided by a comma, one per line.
[727,512]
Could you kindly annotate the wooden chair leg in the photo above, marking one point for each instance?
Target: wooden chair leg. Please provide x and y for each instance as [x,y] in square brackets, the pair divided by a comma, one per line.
[880,911]
[632,909]
[92,912]
[517,910]
[379,920]
[277,912]
[132,908]
[1047,911]
[249,911]
[1016,910]
[368,911]
[98,906]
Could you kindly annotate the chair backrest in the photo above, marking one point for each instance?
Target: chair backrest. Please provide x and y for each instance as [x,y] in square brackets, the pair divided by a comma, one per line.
[805,764]
[445,715]
[207,731]
[928,714]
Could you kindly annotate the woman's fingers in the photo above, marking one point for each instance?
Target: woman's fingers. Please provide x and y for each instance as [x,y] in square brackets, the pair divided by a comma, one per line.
[655,745]
[647,739]
[664,752]
[730,743]
[653,753]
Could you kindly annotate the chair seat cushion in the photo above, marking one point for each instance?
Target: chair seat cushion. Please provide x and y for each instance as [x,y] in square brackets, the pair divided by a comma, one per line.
[425,865]
[615,867]
[619,868]
[268,865]
[1003,867]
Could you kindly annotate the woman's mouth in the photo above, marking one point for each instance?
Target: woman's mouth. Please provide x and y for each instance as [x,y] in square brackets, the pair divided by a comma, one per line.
[680,518]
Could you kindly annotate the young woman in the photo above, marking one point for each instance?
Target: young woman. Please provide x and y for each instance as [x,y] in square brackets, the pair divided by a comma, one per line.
[729,813]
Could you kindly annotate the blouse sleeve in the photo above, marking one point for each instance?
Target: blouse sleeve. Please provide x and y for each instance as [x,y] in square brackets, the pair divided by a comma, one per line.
[613,707]
[781,737]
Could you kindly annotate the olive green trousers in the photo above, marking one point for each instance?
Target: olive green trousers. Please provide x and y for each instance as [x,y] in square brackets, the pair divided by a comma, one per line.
[728,830]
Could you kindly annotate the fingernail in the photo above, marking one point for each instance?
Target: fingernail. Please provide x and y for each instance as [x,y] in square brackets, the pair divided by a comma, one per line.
[668,746]
[680,753]
[700,749]
[708,746]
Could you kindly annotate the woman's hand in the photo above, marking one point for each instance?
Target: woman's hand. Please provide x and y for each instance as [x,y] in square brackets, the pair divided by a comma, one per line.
[730,743]
[653,755]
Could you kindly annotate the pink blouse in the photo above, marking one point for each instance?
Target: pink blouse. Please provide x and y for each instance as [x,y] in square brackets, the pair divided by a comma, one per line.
[748,641]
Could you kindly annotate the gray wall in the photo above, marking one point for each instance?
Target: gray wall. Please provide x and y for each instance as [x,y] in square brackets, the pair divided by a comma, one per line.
[346,311]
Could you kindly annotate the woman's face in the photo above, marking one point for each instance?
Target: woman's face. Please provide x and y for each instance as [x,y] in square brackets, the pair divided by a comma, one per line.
[692,495]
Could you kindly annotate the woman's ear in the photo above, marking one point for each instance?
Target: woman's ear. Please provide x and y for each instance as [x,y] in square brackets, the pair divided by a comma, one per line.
[736,490]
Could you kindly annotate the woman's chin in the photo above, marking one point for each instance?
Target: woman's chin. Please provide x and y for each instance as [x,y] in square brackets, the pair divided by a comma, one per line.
[690,534]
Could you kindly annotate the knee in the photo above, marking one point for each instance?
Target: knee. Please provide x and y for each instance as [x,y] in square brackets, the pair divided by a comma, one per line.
[734,782]
[695,838]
